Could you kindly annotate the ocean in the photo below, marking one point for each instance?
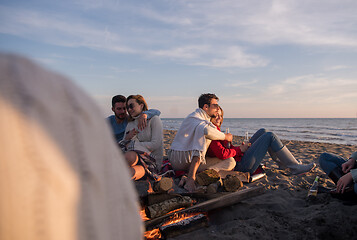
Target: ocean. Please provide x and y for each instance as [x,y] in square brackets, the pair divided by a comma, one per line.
[326,130]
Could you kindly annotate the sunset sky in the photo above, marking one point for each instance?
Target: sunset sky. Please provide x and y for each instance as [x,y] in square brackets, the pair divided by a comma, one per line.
[262,58]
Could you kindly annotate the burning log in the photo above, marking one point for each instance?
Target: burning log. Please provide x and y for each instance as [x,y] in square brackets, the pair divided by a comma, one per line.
[160,209]
[232,183]
[184,226]
[207,177]
[223,201]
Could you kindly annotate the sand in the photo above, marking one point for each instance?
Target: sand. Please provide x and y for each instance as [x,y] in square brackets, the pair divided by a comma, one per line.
[284,211]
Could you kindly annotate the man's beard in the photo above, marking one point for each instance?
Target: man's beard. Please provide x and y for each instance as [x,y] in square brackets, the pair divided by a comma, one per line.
[213,115]
[121,116]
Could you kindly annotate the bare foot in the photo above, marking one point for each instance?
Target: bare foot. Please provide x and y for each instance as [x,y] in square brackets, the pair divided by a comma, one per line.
[190,185]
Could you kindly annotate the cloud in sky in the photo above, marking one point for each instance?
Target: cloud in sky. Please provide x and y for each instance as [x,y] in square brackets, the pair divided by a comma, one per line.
[292,51]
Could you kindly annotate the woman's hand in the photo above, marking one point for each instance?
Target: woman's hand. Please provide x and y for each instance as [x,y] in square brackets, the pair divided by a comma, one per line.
[244,147]
[132,133]
[343,182]
[347,166]
[142,121]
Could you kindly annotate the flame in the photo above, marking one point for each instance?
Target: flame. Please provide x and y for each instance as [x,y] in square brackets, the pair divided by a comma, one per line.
[177,218]
[143,215]
[153,234]
[156,234]
[150,190]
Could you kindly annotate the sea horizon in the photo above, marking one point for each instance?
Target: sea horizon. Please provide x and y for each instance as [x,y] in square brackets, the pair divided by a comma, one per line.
[326,130]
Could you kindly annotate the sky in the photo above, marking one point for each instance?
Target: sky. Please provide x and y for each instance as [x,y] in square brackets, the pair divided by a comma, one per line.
[263,59]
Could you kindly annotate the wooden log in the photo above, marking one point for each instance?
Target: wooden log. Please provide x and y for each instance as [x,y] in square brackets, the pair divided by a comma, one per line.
[232,183]
[163,185]
[207,177]
[184,226]
[219,202]
[143,188]
[214,187]
[155,198]
[243,176]
[159,209]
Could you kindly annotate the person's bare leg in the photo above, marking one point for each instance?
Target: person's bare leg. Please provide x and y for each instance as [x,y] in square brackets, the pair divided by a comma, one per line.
[137,172]
[132,158]
[191,177]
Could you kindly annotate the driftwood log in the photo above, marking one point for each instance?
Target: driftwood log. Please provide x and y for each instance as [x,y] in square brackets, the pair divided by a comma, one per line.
[159,209]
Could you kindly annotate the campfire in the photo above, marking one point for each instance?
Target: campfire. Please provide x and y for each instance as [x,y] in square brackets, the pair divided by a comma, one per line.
[169,211]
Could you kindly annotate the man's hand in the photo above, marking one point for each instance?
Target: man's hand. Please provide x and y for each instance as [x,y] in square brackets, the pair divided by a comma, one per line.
[142,121]
[229,137]
[132,133]
[343,182]
[347,166]
[244,147]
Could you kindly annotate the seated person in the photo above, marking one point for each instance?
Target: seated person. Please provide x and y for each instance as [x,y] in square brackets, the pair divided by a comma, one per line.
[143,148]
[249,155]
[61,174]
[188,149]
[342,172]
[119,120]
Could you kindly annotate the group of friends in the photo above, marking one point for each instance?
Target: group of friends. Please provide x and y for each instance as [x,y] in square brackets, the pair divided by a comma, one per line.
[199,144]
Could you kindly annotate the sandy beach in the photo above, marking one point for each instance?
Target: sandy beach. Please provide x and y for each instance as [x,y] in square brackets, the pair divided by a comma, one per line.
[284,211]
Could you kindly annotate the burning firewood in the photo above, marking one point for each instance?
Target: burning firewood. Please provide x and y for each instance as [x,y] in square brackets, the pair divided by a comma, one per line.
[207,177]
[232,183]
[184,226]
[159,209]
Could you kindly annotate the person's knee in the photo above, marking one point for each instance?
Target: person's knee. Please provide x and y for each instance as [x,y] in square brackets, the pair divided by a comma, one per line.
[323,158]
[231,163]
[263,130]
[131,157]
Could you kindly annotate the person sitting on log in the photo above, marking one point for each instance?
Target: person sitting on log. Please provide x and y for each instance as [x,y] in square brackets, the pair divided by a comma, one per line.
[143,148]
[188,149]
[249,155]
